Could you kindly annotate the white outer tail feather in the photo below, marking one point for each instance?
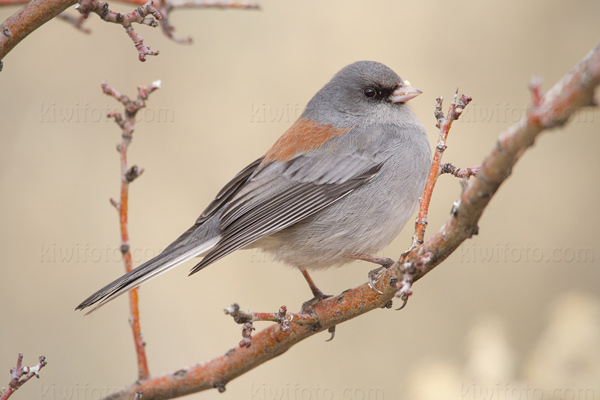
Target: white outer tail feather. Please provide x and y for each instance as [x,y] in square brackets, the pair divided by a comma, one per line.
[195,252]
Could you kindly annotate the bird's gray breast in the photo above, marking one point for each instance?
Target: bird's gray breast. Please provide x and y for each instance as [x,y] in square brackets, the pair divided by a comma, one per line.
[372,215]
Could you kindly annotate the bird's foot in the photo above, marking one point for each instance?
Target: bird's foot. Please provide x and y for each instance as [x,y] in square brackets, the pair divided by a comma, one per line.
[317,293]
[375,274]
[307,306]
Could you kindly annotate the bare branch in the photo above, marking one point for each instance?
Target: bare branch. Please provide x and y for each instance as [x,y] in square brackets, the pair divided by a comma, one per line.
[443,123]
[128,175]
[146,15]
[166,7]
[76,21]
[37,12]
[33,15]
[282,317]
[21,375]
[448,168]
[574,91]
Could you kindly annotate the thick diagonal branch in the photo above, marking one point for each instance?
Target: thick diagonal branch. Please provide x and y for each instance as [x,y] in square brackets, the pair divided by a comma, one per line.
[33,15]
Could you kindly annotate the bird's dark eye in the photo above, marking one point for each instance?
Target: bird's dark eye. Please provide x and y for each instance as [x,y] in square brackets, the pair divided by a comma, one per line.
[370,92]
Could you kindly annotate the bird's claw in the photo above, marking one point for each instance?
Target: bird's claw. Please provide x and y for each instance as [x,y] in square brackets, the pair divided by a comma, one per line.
[332,331]
[404,299]
[307,308]
[374,276]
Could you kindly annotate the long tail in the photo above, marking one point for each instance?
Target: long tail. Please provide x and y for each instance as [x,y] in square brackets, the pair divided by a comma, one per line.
[168,259]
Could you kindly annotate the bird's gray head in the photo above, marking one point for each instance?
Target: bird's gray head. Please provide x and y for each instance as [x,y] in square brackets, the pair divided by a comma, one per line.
[362,89]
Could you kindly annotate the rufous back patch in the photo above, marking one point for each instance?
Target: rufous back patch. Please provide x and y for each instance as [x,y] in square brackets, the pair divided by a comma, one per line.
[301,137]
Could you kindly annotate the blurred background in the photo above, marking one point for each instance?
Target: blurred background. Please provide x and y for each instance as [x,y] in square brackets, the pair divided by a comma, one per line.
[514,312]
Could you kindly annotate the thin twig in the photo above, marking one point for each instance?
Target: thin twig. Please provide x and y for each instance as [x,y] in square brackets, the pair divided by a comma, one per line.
[282,317]
[186,4]
[146,15]
[166,7]
[20,375]
[128,175]
[37,12]
[573,92]
[76,21]
[466,173]
[443,123]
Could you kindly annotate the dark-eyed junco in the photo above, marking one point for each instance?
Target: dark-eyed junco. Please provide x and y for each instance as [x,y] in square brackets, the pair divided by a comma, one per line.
[341,181]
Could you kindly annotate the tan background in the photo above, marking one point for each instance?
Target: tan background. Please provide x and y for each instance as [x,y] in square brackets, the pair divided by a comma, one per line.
[516,307]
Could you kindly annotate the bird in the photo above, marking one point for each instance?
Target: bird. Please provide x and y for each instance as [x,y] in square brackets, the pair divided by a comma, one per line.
[338,185]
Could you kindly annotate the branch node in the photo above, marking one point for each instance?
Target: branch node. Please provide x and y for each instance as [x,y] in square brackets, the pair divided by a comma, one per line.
[247,329]
[441,146]
[448,168]
[438,113]
[219,386]
[145,15]
[118,120]
[388,305]
[239,316]
[460,106]
[405,287]
[282,320]
[114,203]
[133,173]
[454,209]
[407,267]
[22,374]
[535,85]
[425,259]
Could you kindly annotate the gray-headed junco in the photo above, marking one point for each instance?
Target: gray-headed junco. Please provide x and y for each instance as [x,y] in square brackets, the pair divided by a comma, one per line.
[341,181]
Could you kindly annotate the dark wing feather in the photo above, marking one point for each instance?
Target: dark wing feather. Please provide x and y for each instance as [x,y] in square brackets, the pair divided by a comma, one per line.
[229,190]
[224,195]
[293,202]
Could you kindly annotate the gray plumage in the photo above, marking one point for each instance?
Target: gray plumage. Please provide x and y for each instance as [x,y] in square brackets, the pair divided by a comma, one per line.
[315,201]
